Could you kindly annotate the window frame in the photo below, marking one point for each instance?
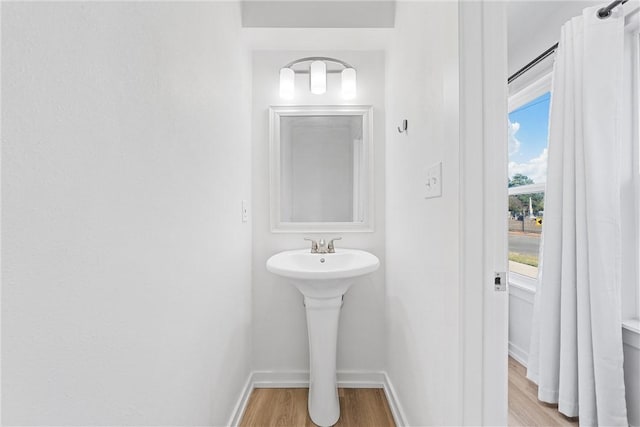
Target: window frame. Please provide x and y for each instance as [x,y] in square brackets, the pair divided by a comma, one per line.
[525,94]
[632,26]
[531,91]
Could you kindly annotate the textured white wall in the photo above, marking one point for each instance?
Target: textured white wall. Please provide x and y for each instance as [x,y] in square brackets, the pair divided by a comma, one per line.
[279,326]
[126,267]
[422,235]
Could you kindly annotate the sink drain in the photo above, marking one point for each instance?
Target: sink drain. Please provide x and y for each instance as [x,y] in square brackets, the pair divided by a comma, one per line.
[321,259]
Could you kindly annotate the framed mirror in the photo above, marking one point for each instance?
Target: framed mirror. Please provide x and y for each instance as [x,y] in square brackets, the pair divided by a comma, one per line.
[321,162]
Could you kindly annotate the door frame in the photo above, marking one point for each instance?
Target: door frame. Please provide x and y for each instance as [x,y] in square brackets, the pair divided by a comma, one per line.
[483,211]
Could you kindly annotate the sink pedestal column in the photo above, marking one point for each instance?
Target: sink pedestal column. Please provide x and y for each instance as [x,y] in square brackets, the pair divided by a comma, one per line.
[322,324]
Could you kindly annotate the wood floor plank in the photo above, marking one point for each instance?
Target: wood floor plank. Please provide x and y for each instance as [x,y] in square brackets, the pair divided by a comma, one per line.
[287,407]
[524,407]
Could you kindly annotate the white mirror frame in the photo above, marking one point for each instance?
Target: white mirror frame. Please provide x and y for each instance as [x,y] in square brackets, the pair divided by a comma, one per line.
[366,225]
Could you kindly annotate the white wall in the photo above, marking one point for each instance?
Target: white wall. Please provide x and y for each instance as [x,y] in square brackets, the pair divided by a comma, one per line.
[631,339]
[422,235]
[126,268]
[279,327]
[520,318]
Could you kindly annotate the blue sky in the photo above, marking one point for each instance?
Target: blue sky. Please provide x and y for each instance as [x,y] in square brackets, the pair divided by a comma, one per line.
[528,128]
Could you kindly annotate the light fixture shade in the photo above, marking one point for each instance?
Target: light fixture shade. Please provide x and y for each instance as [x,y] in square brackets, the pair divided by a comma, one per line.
[287,83]
[318,79]
[349,85]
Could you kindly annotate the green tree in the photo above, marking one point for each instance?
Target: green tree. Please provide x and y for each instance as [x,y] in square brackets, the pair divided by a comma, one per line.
[520,203]
[515,205]
[519,179]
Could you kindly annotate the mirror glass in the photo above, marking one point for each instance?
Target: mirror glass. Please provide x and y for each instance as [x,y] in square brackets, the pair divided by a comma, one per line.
[320,168]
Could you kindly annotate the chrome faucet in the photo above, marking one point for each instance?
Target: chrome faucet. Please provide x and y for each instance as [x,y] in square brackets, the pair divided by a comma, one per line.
[321,247]
[331,248]
[314,245]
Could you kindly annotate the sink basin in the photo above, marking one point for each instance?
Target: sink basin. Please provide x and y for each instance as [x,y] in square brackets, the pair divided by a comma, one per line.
[323,275]
[323,279]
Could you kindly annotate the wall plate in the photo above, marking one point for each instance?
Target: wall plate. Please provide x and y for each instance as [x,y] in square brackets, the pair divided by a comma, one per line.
[434,181]
[245,211]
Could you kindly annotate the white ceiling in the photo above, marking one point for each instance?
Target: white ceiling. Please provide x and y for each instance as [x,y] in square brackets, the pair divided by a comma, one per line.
[318,13]
[534,26]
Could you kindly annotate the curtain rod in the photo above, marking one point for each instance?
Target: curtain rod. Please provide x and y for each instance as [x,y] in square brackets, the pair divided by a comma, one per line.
[603,13]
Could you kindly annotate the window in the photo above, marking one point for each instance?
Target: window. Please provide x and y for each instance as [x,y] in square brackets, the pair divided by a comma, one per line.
[528,141]
[630,172]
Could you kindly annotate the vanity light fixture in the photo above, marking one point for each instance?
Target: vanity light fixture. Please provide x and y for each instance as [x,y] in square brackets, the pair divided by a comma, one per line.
[349,83]
[287,84]
[318,77]
[318,71]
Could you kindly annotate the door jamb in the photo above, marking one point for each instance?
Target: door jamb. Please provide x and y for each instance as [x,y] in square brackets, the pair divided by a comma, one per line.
[483,207]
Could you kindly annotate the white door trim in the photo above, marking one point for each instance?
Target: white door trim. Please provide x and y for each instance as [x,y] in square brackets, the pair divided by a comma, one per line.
[483,200]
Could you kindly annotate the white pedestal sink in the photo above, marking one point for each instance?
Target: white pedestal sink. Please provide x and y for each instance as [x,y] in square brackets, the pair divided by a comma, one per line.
[323,279]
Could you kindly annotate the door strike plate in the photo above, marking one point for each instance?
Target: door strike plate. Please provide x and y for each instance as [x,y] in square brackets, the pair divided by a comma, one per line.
[500,281]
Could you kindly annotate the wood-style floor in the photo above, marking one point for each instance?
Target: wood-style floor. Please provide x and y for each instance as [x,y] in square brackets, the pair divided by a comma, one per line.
[524,407]
[287,407]
[359,407]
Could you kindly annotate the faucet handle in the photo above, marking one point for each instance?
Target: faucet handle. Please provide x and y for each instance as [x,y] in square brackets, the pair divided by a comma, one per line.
[331,248]
[314,245]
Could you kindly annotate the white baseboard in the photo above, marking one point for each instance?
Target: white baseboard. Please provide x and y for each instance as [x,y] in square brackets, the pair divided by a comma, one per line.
[394,404]
[280,379]
[241,405]
[518,353]
[300,379]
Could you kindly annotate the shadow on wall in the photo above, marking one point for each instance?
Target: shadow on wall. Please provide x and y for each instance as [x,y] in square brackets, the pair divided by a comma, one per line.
[404,343]
[236,370]
[360,313]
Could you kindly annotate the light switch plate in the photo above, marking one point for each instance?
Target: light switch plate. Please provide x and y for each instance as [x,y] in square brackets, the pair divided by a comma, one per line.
[245,211]
[434,181]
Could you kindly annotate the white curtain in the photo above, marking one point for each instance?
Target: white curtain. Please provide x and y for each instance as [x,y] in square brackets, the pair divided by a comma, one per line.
[576,345]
